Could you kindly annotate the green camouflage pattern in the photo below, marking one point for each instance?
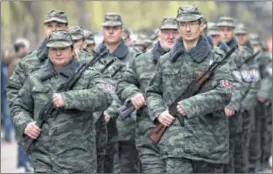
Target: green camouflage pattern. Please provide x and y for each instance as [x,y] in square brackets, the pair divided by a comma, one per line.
[135,80]
[226,21]
[66,141]
[76,33]
[168,23]
[188,13]
[59,39]
[56,16]
[112,19]
[205,135]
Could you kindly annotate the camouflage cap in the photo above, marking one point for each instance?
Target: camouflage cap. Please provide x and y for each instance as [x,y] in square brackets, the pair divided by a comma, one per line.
[226,22]
[89,37]
[240,29]
[76,33]
[59,39]
[112,19]
[57,16]
[188,13]
[213,29]
[168,23]
[255,39]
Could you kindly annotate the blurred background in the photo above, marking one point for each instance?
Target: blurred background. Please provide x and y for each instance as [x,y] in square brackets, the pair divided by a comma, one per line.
[25,18]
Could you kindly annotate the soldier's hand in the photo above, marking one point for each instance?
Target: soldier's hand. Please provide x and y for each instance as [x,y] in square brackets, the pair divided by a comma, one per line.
[166,118]
[32,130]
[229,112]
[260,99]
[138,101]
[180,110]
[58,100]
[106,116]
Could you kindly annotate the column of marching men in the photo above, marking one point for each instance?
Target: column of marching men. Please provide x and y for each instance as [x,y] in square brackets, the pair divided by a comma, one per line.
[66,98]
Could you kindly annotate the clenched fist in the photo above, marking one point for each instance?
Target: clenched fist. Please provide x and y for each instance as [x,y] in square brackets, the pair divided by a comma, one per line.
[166,118]
[106,116]
[58,100]
[32,130]
[229,112]
[138,101]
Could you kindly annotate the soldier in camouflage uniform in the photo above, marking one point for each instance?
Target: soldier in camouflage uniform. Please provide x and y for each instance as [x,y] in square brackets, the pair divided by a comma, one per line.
[55,20]
[89,44]
[201,145]
[132,87]
[214,34]
[120,133]
[261,109]
[65,142]
[127,36]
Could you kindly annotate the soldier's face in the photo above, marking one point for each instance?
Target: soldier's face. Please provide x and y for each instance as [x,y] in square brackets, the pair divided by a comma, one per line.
[242,38]
[112,35]
[226,33]
[50,27]
[167,38]
[79,44]
[215,39]
[190,31]
[90,47]
[60,56]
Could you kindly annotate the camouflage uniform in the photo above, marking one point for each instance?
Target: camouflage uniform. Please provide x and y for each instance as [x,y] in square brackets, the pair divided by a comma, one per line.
[252,76]
[89,38]
[120,133]
[261,109]
[66,141]
[135,80]
[202,144]
[101,130]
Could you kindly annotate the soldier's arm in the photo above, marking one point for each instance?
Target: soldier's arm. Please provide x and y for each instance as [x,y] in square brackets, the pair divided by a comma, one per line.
[16,81]
[266,89]
[250,99]
[95,98]
[112,110]
[213,100]
[154,94]
[127,87]
[22,112]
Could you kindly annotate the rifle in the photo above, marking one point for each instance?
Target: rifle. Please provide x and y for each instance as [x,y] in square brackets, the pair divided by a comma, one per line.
[49,110]
[192,89]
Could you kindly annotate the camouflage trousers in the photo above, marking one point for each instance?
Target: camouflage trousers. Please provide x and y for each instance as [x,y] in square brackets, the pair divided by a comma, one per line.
[149,155]
[112,146]
[255,141]
[241,159]
[101,143]
[235,138]
[183,165]
[266,135]
[126,159]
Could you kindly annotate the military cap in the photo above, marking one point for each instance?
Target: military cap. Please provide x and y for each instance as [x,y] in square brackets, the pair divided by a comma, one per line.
[254,39]
[57,16]
[168,23]
[226,22]
[112,19]
[188,13]
[127,32]
[89,37]
[213,29]
[60,39]
[240,29]
[76,33]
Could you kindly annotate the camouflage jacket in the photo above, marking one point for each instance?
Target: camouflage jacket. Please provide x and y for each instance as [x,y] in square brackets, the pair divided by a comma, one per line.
[67,141]
[205,135]
[26,65]
[135,80]
[265,91]
[121,57]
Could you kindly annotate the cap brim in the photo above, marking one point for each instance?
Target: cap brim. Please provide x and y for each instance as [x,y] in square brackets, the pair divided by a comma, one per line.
[76,37]
[55,20]
[240,32]
[58,44]
[111,24]
[225,24]
[89,42]
[254,42]
[188,18]
[213,33]
[169,27]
